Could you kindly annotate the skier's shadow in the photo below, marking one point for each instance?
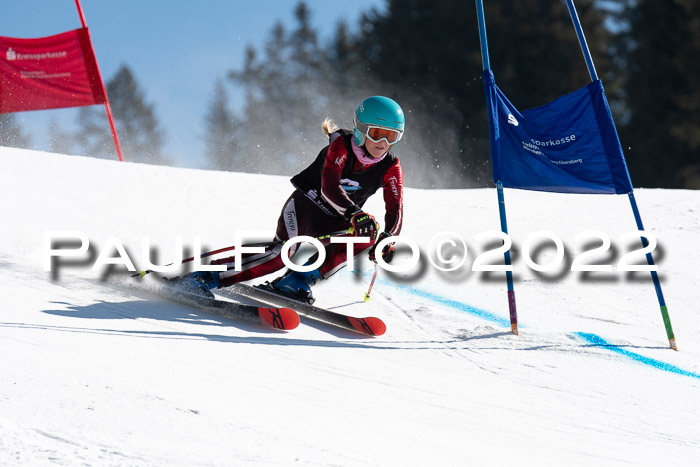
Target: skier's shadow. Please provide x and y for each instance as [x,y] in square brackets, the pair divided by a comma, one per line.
[148,309]
[145,309]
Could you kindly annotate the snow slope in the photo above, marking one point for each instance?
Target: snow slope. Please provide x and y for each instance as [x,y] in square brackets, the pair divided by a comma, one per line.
[96,372]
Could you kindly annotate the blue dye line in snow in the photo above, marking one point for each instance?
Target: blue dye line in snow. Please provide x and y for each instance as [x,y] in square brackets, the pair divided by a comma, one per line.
[591,338]
[658,364]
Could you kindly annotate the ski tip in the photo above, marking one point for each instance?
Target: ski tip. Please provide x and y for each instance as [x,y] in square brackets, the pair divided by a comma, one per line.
[369,326]
[279,318]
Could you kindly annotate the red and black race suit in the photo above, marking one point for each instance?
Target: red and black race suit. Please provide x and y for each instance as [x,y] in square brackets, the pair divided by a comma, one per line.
[337,181]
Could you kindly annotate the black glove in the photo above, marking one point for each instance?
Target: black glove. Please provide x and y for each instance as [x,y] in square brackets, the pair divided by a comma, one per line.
[387,251]
[364,225]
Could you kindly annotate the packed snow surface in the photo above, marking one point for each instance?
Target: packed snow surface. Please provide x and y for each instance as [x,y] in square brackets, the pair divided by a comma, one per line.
[96,370]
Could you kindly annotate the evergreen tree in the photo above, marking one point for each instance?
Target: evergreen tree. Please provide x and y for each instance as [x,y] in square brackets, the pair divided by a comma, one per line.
[135,119]
[222,149]
[11,133]
[661,49]
[429,51]
[93,137]
[60,141]
[425,54]
[285,103]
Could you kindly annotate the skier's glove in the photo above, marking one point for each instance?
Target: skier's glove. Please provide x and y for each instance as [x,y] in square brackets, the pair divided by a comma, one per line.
[364,224]
[387,251]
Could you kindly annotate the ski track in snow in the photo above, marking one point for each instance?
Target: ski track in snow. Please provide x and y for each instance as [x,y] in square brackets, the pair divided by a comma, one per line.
[105,373]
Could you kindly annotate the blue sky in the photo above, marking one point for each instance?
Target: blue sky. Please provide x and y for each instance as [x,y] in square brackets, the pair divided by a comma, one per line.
[177,50]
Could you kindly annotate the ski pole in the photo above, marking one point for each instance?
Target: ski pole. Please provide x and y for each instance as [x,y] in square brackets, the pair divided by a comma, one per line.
[371,284]
[250,245]
[209,253]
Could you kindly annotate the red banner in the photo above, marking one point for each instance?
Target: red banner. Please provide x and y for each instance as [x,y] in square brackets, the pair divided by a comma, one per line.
[49,72]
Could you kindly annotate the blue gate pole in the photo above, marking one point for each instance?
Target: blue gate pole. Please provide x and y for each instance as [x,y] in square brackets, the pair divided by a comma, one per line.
[633,202]
[582,40]
[509,274]
[482,35]
[654,276]
[499,184]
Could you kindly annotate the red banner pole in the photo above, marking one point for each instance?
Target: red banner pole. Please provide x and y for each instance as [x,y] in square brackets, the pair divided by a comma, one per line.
[80,13]
[108,108]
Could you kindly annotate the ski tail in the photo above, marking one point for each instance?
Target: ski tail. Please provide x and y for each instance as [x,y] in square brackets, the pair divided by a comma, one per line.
[279,318]
[257,312]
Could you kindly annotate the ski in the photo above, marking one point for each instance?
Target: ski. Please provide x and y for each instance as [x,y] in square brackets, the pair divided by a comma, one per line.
[278,318]
[369,326]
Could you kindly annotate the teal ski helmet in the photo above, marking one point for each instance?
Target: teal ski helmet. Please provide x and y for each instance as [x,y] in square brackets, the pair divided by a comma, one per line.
[376,113]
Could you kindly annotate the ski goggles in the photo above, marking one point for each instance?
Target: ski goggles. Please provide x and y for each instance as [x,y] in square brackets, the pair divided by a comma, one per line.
[378,133]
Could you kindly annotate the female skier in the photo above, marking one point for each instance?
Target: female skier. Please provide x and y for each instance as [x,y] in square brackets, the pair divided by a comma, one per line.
[328,197]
